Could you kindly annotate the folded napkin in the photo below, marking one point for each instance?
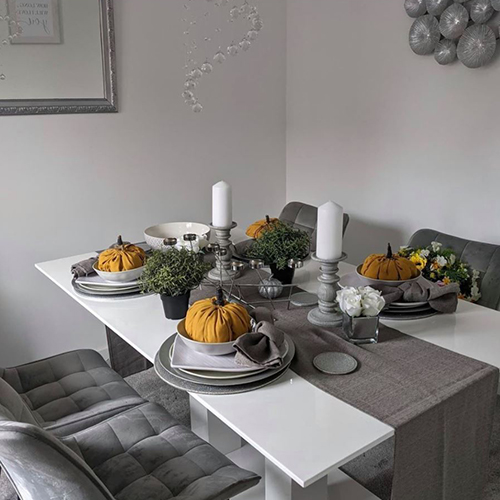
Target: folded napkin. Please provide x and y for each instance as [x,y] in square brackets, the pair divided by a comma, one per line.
[262,347]
[443,299]
[84,267]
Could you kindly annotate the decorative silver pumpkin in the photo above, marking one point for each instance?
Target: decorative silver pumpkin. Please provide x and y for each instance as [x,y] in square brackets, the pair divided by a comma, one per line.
[424,35]
[446,52]
[415,8]
[481,11]
[477,46]
[454,21]
[495,4]
[270,288]
[437,7]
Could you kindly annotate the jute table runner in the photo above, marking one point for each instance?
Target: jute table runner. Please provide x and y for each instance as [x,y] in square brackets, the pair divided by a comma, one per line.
[440,403]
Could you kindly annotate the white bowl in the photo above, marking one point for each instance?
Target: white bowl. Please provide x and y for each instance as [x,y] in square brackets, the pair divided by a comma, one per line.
[155,235]
[122,276]
[219,349]
[375,282]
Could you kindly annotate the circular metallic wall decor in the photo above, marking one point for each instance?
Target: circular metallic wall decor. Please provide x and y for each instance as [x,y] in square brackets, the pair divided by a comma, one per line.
[437,7]
[446,52]
[415,8]
[454,21]
[481,11]
[477,46]
[424,35]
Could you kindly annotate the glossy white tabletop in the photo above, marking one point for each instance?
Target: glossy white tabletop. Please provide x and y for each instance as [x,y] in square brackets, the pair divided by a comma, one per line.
[301,429]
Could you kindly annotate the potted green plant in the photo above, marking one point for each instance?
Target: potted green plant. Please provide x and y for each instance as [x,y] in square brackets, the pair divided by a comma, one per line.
[172,274]
[277,245]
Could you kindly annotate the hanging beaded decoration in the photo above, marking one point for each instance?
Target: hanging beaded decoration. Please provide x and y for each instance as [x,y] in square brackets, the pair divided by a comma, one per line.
[9,30]
[198,14]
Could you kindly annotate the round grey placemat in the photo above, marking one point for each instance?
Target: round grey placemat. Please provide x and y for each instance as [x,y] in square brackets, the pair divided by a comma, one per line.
[304,299]
[167,374]
[335,363]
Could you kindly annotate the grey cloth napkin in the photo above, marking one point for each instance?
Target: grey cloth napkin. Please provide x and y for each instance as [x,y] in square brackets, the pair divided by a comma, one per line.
[262,347]
[84,267]
[443,299]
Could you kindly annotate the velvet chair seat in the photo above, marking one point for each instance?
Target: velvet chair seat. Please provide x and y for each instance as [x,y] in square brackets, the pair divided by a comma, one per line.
[140,454]
[71,391]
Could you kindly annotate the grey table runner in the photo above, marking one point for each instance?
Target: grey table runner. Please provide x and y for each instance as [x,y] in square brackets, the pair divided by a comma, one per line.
[440,403]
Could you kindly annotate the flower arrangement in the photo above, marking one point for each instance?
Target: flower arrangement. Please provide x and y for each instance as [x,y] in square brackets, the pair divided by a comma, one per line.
[278,244]
[441,265]
[361,301]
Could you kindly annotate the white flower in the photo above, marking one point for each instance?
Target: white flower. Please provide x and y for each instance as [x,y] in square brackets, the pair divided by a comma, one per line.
[403,247]
[372,303]
[350,301]
[475,274]
[362,301]
[452,258]
[441,261]
[425,253]
[436,246]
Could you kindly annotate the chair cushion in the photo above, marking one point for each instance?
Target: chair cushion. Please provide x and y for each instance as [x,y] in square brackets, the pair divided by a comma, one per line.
[484,257]
[71,391]
[145,454]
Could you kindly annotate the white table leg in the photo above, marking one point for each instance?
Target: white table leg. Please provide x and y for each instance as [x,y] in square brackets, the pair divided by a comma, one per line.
[211,429]
[280,487]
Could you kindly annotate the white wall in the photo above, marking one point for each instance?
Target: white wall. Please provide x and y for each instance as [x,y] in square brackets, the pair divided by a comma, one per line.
[70,184]
[401,142]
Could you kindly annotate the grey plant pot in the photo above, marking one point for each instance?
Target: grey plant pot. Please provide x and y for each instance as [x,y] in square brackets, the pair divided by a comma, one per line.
[175,307]
[361,330]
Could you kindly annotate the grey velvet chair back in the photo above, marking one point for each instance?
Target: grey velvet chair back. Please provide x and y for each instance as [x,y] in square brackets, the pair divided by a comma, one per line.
[39,466]
[305,217]
[484,257]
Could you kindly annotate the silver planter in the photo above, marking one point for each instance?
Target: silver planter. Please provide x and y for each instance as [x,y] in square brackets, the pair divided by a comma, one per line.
[361,330]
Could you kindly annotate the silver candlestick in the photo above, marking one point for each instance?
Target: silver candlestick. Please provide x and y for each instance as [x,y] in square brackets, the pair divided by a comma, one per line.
[327,313]
[223,270]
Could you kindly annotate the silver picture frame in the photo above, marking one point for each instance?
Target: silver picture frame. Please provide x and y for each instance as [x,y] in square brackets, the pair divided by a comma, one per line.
[107,104]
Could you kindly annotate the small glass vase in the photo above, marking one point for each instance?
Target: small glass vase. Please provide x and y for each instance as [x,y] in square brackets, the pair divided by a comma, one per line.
[360,330]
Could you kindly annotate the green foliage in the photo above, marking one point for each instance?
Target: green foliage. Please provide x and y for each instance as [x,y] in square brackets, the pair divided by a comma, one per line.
[279,244]
[174,272]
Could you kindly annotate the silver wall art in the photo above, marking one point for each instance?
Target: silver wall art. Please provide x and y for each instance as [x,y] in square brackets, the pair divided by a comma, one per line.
[466,30]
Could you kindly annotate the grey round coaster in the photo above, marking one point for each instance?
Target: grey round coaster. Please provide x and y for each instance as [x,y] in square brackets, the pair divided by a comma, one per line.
[304,299]
[335,363]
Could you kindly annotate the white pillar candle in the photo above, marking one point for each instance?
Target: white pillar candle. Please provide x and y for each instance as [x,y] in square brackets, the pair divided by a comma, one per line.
[222,205]
[329,234]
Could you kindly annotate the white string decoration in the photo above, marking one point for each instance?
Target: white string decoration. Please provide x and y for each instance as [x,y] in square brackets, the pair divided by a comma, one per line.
[197,22]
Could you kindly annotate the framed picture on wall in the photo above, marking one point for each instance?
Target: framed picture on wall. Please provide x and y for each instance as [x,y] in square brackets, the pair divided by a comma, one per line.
[38,20]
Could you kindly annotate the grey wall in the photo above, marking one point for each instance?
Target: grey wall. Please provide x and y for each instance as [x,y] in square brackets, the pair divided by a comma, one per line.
[398,140]
[70,184]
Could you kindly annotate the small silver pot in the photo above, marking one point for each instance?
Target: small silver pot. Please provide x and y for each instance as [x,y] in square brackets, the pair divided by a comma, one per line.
[361,330]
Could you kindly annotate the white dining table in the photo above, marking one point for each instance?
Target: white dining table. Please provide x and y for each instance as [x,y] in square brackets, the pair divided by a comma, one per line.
[292,433]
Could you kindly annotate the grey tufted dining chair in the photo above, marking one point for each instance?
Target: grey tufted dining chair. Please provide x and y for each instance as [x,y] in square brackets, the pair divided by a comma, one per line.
[141,454]
[484,257]
[303,216]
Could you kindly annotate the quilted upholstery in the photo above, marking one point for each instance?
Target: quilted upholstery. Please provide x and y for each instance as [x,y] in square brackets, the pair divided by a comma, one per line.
[305,217]
[141,454]
[71,391]
[144,454]
[483,257]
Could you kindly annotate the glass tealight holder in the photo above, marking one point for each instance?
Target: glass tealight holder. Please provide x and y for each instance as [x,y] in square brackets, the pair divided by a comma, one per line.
[361,330]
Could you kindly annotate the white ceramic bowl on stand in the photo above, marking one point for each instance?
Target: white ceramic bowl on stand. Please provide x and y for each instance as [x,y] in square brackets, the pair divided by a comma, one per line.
[375,282]
[122,277]
[155,235]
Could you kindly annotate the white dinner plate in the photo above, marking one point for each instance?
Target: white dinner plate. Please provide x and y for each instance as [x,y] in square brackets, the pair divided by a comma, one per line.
[218,375]
[96,280]
[408,304]
[164,358]
[98,288]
